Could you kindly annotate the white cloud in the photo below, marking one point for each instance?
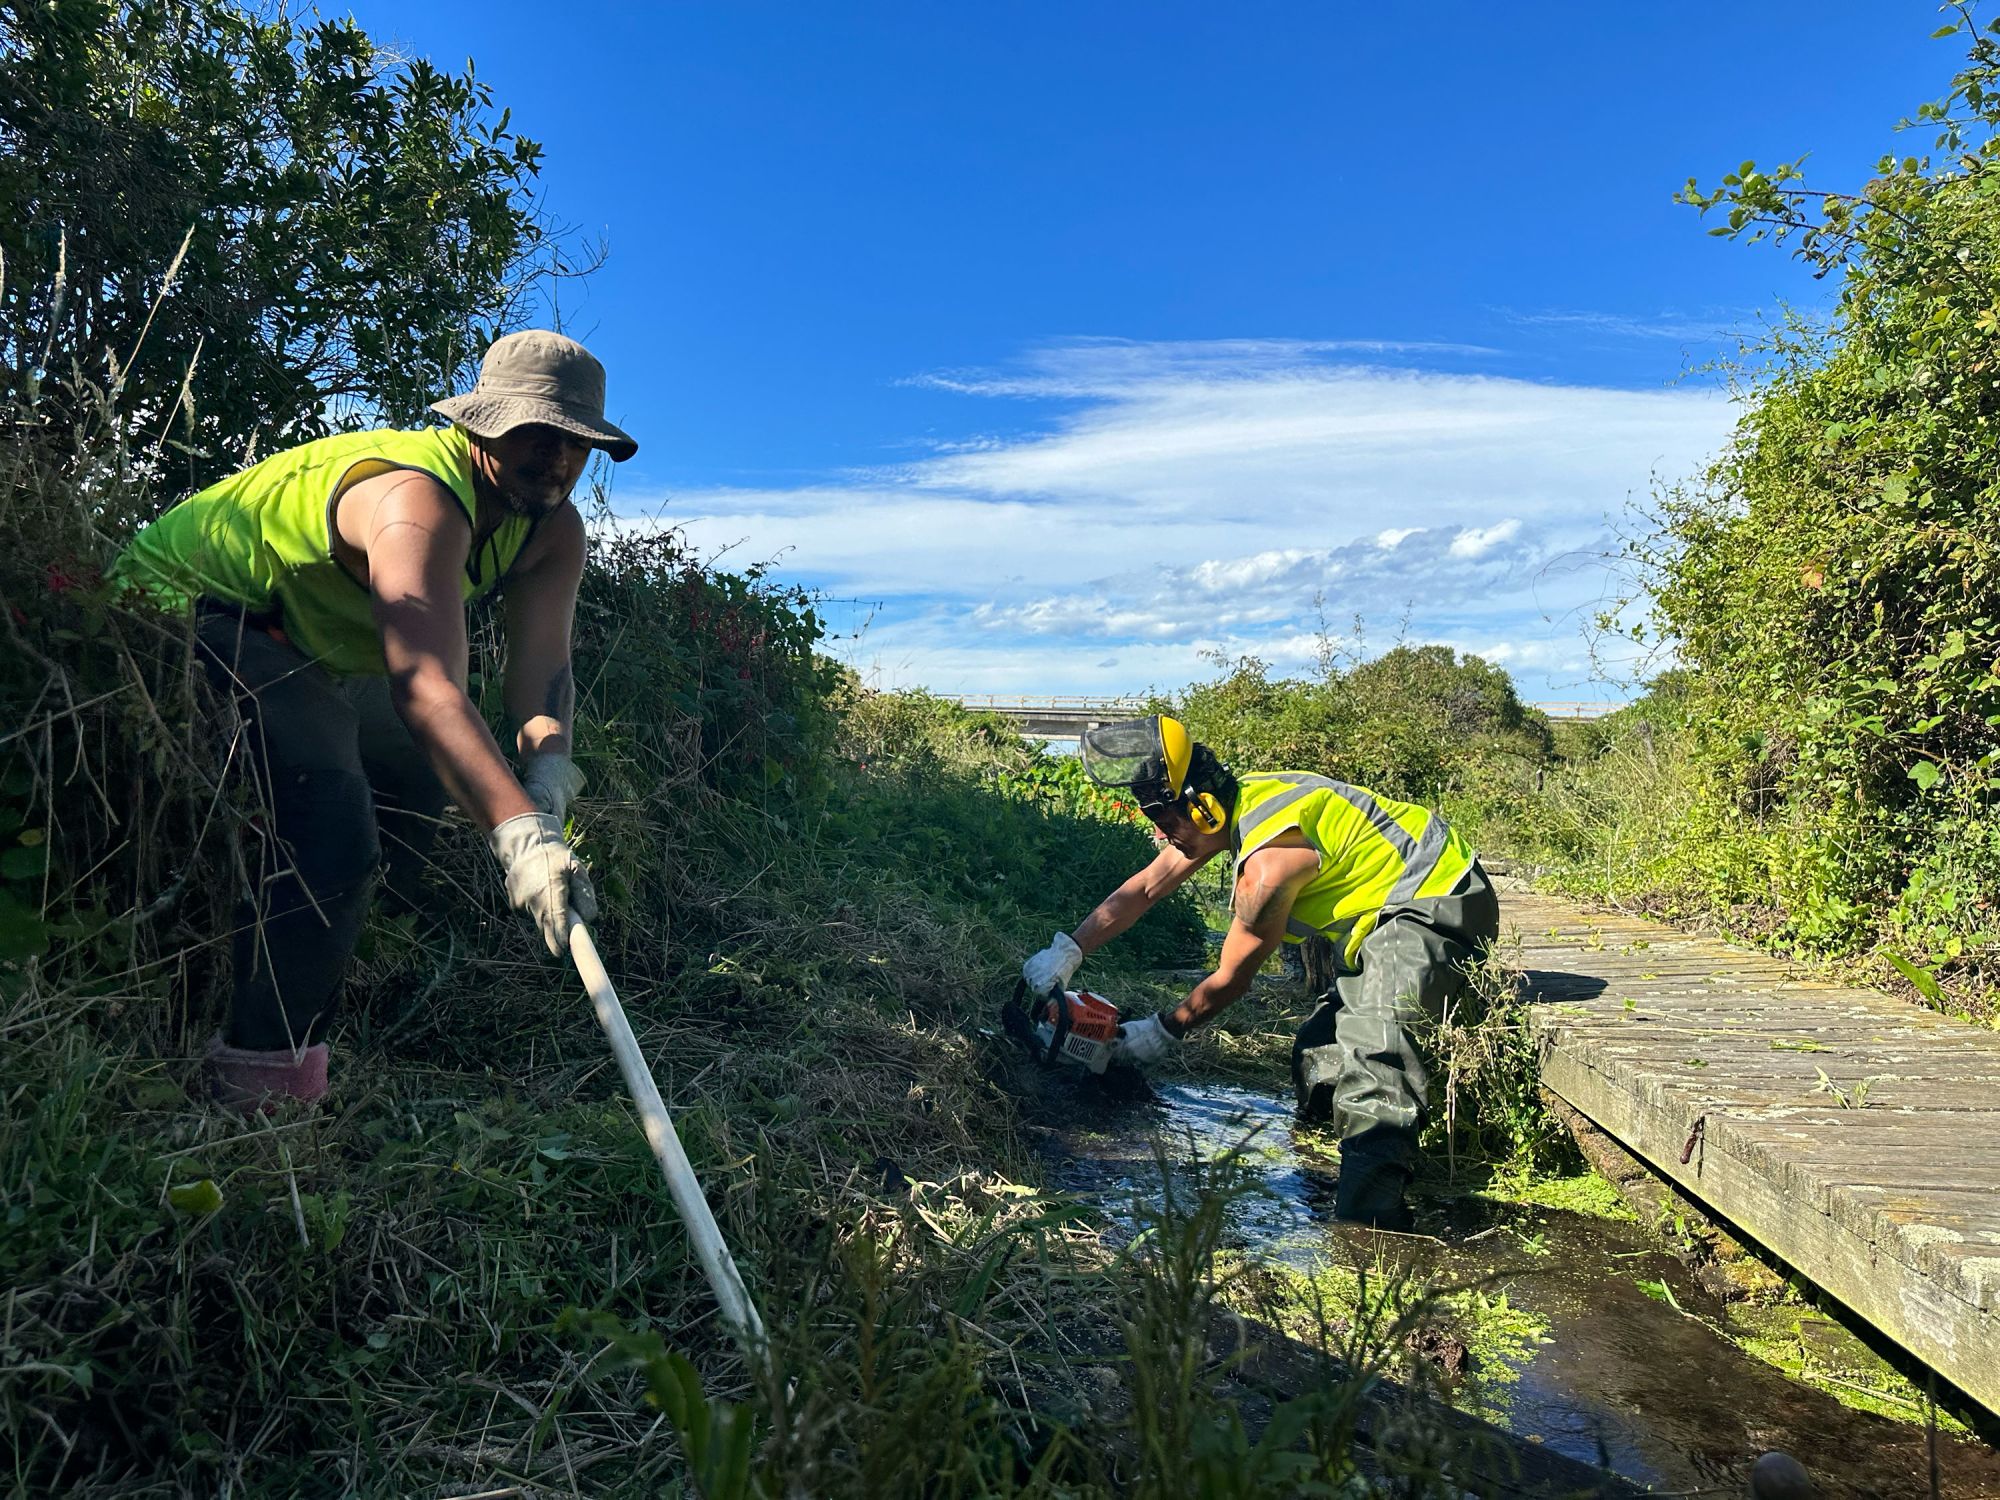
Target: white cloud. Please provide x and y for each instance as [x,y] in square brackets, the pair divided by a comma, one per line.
[1184,497]
[1473,541]
[1270,588]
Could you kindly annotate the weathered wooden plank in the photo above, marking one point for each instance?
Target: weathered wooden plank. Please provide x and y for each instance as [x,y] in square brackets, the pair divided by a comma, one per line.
[1936,1322]
[1768,1055]
[1894,1208]
[1907,1077]
[1671,1095]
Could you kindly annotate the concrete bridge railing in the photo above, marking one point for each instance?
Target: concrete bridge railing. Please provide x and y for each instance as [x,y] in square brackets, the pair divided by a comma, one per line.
[1067,715]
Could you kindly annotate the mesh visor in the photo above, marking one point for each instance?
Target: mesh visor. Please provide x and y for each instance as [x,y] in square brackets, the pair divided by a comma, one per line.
[1129,754]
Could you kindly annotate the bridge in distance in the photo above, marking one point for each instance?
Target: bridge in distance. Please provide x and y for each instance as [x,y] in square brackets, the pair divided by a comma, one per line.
[1055,716]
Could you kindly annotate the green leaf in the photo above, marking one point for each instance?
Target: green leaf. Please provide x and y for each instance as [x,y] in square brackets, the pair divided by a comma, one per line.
[24,863]
[23,933]
[1659,1291]
[1925,774]
[1925,981]
[197,1198]
[718,1437]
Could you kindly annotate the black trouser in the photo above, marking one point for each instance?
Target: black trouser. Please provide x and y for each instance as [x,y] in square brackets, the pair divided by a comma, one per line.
[1355,1057]
[345,791]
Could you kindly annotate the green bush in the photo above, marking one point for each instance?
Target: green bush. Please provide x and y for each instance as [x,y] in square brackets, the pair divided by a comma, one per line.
[272,224]
[1418,723]
[1831,585]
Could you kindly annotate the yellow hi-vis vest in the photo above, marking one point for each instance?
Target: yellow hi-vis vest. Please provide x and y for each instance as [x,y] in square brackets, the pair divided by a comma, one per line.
[1373,852]
[262,541]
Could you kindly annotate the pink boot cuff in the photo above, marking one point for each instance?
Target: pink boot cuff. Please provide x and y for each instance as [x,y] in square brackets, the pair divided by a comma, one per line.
[242,1079]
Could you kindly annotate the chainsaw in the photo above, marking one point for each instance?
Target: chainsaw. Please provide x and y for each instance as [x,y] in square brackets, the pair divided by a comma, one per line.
[1067,1025]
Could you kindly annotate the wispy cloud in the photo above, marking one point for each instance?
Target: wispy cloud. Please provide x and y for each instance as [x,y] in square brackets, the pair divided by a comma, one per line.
[1676,327]
[1167,500]
[1097,368]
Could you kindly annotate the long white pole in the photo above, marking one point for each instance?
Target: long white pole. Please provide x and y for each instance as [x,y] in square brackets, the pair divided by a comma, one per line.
[737,1309]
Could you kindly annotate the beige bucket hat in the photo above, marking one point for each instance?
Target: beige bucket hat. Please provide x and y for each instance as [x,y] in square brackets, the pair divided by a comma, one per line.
[541,377]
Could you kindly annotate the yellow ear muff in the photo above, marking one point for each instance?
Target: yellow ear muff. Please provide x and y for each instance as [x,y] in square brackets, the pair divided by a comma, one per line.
[1206,813]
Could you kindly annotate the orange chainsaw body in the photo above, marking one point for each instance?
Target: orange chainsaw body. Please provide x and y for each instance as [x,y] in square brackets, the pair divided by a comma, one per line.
[1093,1026]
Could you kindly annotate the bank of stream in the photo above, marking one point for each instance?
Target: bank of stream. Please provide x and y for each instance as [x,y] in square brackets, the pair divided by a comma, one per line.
[1580,1330]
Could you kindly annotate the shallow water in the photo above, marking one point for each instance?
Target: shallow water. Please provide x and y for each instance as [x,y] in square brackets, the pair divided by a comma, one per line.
[1625,1380]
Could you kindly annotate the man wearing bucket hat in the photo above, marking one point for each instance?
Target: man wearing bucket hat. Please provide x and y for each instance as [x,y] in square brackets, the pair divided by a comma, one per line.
[1400,895]
[328,586]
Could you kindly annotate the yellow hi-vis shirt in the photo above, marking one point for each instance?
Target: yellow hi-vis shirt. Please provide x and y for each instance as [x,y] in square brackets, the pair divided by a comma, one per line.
[1373,852]
[262,541]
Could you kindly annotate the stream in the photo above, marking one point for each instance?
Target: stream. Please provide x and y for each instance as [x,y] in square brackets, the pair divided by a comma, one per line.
[1629,1371]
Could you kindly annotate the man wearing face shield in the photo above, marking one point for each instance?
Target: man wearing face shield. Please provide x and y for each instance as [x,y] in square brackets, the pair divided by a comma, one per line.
[1401,897]
[328,587]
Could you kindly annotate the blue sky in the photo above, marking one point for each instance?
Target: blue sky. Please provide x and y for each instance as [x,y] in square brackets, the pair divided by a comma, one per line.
[1075,342]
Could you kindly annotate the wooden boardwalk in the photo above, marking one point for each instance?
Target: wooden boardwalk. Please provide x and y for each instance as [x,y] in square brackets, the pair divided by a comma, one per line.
[1854,1135]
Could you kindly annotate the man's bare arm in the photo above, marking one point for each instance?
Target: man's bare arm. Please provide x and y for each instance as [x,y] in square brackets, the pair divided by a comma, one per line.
[1268,884]
[1168,872]
[540,605]
[417,539]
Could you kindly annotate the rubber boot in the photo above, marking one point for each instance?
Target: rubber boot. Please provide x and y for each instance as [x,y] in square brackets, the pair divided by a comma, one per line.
[253,1081]
[1371,1187]
[1316,1064]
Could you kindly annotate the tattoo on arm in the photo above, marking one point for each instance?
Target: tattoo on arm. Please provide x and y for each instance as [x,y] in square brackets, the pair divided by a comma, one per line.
[560,700]
[1264,898]
[1257,905]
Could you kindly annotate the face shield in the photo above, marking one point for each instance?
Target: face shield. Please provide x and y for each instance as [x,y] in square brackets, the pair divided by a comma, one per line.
[1147,757]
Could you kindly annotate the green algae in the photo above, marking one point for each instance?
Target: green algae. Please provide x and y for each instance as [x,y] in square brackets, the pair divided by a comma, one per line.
[1806,1345]
[1586,1194]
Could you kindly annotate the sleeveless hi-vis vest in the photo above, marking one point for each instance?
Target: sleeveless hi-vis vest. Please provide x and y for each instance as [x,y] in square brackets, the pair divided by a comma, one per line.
[1373,852]
[262,541]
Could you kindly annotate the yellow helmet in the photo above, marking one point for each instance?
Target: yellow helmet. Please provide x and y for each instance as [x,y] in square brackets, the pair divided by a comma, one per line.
[1150,757]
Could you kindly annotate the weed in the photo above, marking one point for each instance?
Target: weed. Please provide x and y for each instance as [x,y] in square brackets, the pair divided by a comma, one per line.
[1853,1096]
[1489,1073]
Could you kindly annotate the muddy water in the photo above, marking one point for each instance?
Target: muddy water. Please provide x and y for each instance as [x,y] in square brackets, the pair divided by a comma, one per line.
[1625,1379]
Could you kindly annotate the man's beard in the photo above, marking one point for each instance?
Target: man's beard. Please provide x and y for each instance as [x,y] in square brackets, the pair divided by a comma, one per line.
[530,492]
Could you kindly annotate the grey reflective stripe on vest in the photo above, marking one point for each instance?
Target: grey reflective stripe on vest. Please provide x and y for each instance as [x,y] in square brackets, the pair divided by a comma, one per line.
[1264,812]
[1420,856]
[1429,850]
[1304,785]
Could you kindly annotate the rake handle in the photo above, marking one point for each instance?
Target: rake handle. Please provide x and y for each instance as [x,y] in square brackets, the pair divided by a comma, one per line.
[738,1311]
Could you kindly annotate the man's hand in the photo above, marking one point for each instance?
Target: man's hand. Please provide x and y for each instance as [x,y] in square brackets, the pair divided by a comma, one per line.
[551,780]
[544,878]
[1053,967]
[1141,1042]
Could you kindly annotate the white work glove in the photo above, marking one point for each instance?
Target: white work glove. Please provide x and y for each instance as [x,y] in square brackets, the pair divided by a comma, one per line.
[1052,967]
[1142,1042]
[544,878]
[550,781]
